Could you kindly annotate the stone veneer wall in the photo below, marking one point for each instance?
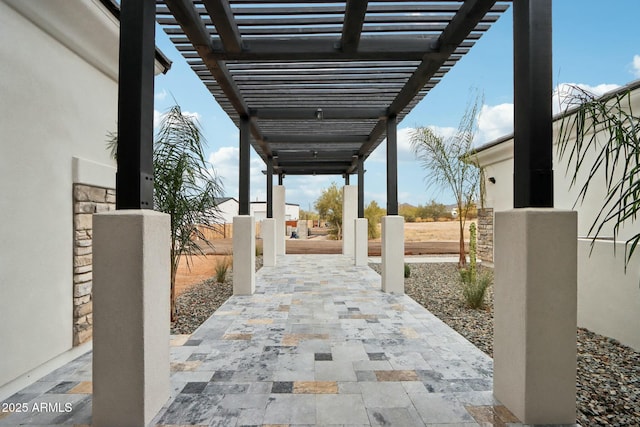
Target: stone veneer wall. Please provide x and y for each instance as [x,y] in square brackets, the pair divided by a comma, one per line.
[485,234]
[87,200]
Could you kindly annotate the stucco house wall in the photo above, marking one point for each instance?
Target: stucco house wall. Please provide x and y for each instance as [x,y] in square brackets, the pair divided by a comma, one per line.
[608,299]
[59,68]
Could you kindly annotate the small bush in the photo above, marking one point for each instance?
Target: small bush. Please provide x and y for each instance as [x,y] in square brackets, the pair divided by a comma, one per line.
[474,290]
[222,267]
[474,283]
[407,270]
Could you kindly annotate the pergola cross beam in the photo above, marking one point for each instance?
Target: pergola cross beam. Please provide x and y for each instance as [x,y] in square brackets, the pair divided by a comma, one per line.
[353,21]
[464,21]
[226,26]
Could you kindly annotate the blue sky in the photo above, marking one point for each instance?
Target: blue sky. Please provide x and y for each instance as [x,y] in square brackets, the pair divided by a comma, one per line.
[596,44]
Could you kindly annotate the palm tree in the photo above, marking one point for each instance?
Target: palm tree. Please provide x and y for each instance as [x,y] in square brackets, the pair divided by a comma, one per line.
[185,186]
[607,129]
[449,164]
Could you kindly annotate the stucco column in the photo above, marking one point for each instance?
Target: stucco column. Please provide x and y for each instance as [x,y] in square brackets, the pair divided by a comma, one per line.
[393,254]
[269,242]
[535,314]
[244,255]
[279,206]
[361,241]
[131,284]
[349,214]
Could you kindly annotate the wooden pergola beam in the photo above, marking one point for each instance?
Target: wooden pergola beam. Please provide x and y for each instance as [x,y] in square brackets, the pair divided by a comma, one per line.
[352,28]
[225,24]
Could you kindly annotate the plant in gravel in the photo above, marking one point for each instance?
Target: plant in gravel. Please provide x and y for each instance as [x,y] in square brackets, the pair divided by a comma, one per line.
[474,284]
[407,271]
[222,268]
[450,163]
[185,186]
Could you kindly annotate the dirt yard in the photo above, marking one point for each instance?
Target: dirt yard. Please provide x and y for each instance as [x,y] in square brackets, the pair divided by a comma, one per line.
[420,238]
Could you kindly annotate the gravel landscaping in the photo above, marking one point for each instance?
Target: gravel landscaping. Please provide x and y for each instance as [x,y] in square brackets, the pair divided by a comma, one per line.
[608,379]
[608,373]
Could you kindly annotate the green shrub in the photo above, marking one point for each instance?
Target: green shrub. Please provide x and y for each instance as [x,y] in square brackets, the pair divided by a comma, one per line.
[474,285]
[222,267]
[474,291]
[407,270]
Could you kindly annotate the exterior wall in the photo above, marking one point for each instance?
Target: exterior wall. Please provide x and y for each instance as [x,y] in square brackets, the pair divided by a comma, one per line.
[608,299]
[61,106]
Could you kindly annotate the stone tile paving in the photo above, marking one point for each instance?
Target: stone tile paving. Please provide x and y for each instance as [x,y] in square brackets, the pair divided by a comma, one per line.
[317,344]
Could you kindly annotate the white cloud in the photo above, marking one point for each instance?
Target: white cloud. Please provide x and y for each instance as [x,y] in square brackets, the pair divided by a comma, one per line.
[160,96]
[225,162]
[494,122]
[305,190]
[445,132]
[405,153]
[404,144]
[156,118]
[194,115]
[636,65]
[564,93]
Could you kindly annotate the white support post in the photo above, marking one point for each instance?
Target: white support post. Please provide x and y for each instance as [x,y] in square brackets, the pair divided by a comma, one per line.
[269,242]
[244,255]
[279,208]
[393,254]
[349,214]
[131,284]
[361,241]
[535,314]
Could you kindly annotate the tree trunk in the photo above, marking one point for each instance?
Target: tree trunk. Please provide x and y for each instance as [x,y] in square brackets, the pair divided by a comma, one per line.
[172,297]
[462,261]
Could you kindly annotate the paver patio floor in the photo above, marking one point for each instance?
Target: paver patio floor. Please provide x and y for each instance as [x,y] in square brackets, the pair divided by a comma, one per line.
[318,344]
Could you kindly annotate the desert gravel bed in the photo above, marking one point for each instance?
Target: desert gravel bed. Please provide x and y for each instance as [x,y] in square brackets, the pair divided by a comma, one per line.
[608,373]
[198,303]
[608,380]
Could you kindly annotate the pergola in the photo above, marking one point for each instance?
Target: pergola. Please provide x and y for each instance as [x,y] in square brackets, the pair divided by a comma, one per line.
[315,87]
[319,84]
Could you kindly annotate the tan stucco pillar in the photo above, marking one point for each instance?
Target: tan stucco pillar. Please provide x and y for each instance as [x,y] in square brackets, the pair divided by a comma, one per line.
[393,254]
[279,214]
[244,255]
[131,284]
[361,241]
[535,314]
[349,214]
[269,242]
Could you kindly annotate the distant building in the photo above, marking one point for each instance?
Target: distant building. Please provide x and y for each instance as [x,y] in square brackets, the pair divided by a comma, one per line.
[229,207]
[259,211]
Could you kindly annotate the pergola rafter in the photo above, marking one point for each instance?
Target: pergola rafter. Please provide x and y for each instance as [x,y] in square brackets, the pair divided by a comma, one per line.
[322,77]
